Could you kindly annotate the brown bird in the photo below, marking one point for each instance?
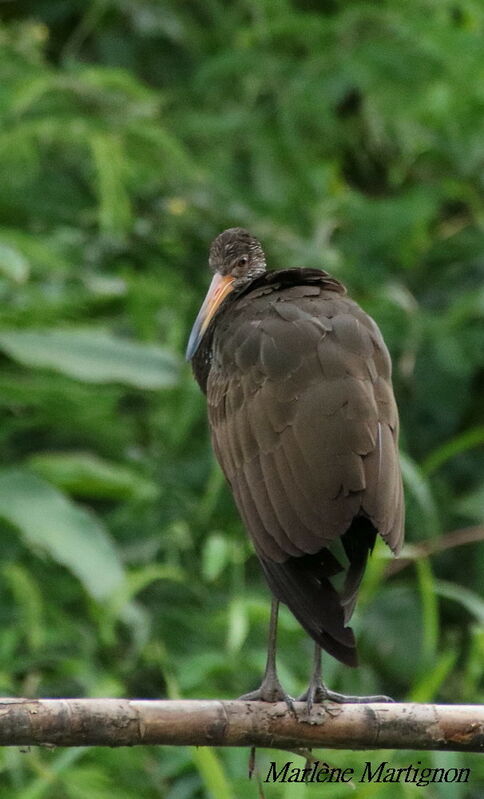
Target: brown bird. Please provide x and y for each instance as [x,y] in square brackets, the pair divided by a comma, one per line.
[305,427]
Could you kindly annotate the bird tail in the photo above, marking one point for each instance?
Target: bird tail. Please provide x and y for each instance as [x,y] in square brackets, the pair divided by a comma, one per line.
[304,585]
[358,543]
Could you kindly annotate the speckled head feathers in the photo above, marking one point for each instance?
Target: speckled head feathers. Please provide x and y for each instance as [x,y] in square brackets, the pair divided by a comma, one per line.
[236,252]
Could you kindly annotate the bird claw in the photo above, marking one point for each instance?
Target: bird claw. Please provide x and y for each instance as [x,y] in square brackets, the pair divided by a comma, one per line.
[272,691]
[333,696]
[318,693]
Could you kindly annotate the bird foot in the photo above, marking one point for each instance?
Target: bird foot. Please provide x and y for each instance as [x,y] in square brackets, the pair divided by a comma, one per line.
[270,690]
[317,693]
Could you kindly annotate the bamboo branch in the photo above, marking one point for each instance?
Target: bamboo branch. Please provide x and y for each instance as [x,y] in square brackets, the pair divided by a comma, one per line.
[129,722]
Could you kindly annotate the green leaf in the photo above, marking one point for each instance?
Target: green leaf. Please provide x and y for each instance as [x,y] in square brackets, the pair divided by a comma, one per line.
[472,505]
[211,494]
[425,689]
[456,446]
[138,580]
[215,555]
[238,624]
[430,611]
[13,264]
[212,772]
[391,630]
[86,475]
[28,599]
[41,785]
[467,598]
[94,356]
[71,535]
[418,485]
[114,205]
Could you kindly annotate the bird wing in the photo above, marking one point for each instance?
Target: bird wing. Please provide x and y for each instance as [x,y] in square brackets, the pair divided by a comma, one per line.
[305,427]
[303,419]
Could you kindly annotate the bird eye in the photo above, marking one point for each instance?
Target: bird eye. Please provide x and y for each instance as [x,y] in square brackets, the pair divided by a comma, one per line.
[243,261]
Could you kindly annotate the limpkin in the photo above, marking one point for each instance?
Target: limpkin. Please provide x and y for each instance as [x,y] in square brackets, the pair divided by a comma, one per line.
[305,426]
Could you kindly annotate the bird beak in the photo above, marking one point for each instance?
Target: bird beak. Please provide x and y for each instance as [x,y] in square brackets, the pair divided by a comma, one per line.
[220,286]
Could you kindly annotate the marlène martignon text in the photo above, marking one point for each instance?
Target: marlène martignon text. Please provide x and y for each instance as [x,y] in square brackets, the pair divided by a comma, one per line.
[369,772]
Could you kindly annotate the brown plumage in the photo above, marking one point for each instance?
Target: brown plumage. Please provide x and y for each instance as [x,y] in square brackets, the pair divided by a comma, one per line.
[305,427]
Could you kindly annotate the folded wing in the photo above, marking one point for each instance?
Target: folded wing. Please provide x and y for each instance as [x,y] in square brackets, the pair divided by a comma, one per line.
[305,427]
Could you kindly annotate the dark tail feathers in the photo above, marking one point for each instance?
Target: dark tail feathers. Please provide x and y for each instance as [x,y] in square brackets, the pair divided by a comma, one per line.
[304,585]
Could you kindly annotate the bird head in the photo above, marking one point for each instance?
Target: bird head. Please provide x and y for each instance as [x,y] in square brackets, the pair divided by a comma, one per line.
[237,254]
[235,258]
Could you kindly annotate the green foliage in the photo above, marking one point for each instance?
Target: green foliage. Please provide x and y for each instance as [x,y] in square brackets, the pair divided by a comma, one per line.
[50,523]
[346,135]
[92,356]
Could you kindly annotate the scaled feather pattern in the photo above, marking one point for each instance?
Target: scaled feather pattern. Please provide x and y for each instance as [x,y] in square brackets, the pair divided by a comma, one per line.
[305,427]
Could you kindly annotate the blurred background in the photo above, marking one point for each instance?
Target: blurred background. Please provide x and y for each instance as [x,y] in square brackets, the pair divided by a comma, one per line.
[345,135]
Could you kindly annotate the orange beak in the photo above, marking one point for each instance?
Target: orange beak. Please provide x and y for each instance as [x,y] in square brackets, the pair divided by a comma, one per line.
[220,286]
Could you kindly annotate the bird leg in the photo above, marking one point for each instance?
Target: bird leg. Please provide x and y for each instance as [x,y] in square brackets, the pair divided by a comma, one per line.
[317,691]
[271,689]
